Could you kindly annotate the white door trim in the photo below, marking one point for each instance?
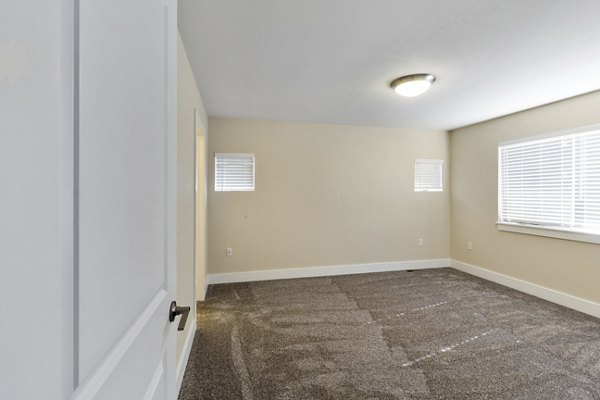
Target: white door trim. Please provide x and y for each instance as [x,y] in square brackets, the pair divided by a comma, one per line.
[156,378]
[200,293]
[187,349]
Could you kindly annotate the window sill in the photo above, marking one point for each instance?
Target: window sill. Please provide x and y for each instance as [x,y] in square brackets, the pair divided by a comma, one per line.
[549,232]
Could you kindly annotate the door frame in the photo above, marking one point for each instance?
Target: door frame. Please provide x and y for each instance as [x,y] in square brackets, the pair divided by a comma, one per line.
[200,292]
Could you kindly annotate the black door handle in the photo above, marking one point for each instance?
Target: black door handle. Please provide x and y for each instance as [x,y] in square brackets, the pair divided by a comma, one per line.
[175,310]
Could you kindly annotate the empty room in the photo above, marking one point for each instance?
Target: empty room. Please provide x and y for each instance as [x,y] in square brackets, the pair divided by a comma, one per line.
[367,245]
[297,200]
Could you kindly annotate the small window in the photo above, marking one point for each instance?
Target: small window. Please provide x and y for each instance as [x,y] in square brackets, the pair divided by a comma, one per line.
[234,172]
[428,175]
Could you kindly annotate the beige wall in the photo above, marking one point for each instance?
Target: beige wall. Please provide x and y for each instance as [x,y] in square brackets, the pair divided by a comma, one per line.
[189,100]
[566,266]
[325,195]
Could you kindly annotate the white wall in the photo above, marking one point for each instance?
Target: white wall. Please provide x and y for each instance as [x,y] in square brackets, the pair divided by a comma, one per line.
[325,195]
[36,208]
[565,266]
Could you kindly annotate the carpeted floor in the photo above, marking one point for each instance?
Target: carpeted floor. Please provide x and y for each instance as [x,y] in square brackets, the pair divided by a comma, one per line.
[426,334]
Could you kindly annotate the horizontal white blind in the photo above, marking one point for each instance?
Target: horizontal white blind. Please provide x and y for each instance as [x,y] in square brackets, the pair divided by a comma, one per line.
[428,175]
[553,182]
[234,172]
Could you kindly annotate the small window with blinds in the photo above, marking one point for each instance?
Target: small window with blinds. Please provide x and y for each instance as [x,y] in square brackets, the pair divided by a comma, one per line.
[428,175]
[234,172]
[551,183]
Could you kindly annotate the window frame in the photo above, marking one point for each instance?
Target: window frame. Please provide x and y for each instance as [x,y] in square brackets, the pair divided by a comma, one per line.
[574,234]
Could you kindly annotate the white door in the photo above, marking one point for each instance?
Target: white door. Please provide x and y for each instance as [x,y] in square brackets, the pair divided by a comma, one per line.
[125,63]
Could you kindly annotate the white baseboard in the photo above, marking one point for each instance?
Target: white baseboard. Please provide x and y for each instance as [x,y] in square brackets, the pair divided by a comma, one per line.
[554,296]
[205,288]
[187,348]
[309,272]
[202,290]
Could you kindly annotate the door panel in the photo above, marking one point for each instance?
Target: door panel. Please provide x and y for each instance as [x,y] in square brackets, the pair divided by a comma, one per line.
[125,267]
[158,387]
[137,371]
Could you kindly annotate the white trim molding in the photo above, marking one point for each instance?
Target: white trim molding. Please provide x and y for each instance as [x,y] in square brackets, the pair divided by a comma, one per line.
[185,354]
[554,296]
[547,231]
[309,272]
[205,288]
[159,374]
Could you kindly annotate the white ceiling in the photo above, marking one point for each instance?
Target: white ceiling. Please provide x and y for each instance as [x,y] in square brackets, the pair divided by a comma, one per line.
[331,61]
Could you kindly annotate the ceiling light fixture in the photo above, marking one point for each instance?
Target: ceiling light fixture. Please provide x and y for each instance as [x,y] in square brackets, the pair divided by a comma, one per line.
[412,85]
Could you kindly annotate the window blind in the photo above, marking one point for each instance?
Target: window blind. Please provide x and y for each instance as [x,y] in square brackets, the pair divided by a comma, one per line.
[428,175]
[234,172]
[552,182]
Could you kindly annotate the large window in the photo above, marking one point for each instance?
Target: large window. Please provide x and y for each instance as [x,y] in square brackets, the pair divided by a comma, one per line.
[234,172]
[549,185]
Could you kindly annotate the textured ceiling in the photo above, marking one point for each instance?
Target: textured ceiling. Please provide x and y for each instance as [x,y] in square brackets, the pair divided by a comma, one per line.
[331,61]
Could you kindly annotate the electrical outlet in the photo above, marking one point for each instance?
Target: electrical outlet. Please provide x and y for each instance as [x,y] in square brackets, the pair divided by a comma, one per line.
[420,243]
[229,251]
[469,245]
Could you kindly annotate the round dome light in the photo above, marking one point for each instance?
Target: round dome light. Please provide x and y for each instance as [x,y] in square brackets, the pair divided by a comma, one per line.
[412,85]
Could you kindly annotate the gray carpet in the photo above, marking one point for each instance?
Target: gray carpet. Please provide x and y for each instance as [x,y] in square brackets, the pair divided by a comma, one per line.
[427,334]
